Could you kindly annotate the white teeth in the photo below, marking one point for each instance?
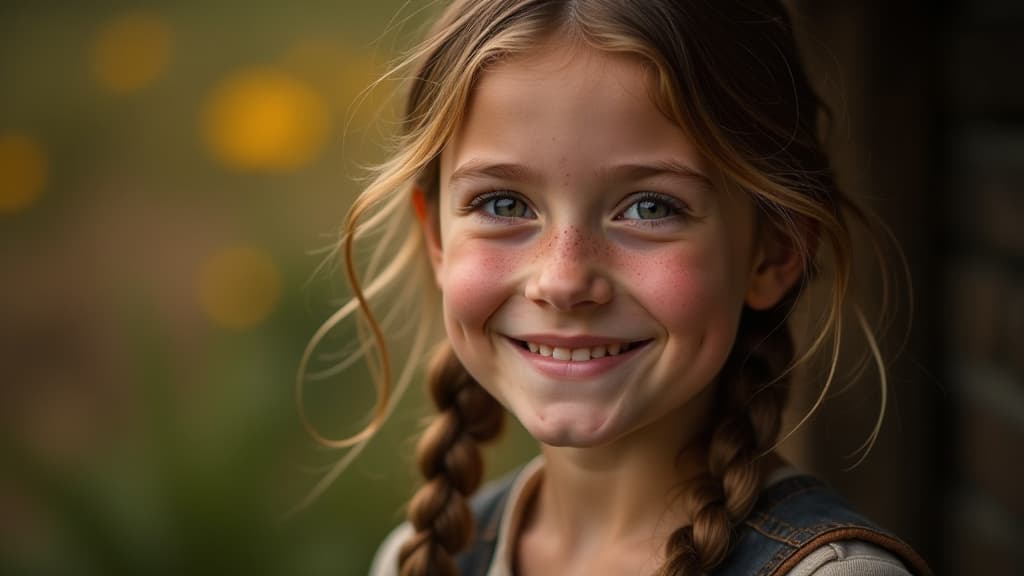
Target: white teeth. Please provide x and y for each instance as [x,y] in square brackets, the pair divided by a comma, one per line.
[581,354]
[561,354]
[576,354]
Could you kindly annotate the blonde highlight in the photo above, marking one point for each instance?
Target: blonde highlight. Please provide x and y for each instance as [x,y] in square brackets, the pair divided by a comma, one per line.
[769,151]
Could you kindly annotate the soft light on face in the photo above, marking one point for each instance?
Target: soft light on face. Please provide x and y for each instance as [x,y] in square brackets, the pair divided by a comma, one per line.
[592,266]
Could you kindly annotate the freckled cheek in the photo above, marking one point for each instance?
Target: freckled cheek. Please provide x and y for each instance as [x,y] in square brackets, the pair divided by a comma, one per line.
[678,287]
[476,280]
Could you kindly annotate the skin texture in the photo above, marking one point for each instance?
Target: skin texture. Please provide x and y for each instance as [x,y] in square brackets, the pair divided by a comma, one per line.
[541,233]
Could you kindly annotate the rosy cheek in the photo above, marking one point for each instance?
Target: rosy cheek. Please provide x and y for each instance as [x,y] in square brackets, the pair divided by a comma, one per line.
[476,280]
[678,285]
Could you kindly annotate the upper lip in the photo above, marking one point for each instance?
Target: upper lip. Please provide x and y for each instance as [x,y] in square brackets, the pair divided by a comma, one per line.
[572,342]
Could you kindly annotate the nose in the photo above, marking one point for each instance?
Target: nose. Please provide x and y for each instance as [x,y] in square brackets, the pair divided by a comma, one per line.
[569,273]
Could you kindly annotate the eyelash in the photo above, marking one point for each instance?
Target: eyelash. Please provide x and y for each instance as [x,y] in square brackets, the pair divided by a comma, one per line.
[676,207]
[478,202]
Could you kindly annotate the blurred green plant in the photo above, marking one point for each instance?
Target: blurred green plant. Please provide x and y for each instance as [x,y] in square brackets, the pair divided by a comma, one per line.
[149,422]
[185,494]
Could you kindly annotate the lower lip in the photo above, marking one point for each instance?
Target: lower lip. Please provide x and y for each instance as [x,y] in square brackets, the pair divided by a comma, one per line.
[569,370]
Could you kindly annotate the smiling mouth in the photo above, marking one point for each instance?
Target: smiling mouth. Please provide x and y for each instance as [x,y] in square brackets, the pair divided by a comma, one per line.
[579,354]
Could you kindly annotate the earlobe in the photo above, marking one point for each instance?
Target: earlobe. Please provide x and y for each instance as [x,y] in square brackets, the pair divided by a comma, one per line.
[428,224]
[777,267]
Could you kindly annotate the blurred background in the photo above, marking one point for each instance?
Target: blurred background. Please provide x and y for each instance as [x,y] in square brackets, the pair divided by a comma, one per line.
[172,175]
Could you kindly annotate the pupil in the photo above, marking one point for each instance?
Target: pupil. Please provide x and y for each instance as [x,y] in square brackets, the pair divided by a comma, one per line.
[508,207]
[649,209]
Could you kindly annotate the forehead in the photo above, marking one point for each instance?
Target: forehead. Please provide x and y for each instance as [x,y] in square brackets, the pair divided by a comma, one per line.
[571,65]
[569,104]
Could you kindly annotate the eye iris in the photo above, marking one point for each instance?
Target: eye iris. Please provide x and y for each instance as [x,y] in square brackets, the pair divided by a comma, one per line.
[651,210]
[509,208]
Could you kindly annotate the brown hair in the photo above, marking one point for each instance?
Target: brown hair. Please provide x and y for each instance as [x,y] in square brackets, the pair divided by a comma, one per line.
[728,74]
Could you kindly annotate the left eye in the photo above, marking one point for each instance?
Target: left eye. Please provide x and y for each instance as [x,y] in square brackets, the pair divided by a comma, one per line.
[501,204]
[507,207]
[651,208]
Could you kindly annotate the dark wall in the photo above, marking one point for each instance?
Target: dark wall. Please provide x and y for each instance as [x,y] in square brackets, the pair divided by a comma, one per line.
[983,277]
[931,136]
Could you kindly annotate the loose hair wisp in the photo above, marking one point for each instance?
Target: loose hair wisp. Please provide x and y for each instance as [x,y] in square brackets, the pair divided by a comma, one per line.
[728,74]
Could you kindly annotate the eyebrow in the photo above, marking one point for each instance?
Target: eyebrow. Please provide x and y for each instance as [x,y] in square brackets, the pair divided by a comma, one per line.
[672,168]
[477,169]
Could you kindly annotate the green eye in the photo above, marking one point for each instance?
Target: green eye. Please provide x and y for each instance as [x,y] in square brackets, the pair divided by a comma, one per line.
[507,207]
[650,209]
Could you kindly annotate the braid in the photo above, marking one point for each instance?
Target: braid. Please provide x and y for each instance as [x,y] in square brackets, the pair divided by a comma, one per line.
[750,400]
[449,459]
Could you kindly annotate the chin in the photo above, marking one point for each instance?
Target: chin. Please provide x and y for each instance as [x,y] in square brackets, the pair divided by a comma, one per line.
[568,430]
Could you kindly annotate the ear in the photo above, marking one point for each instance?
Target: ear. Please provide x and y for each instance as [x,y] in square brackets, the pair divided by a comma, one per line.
[778,264]
[427,216]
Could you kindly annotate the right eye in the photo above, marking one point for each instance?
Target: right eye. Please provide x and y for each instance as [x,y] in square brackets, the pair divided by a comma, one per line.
[503,204]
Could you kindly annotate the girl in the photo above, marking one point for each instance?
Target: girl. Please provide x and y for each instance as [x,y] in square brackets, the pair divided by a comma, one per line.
[620,203]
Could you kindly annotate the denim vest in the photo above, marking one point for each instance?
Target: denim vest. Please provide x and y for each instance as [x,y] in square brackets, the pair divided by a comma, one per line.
[791,519]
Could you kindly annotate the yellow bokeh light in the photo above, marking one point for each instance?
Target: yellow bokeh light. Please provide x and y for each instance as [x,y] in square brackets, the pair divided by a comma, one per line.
[239,286]
[265,120]
[131,52]
[348,75]
[22,172]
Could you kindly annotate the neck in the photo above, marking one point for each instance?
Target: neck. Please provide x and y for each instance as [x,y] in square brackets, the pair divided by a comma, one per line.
[627,491]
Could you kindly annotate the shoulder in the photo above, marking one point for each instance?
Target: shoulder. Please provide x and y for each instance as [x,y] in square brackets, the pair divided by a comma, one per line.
[849,558]
[385,561]
[800,523]
[487,505]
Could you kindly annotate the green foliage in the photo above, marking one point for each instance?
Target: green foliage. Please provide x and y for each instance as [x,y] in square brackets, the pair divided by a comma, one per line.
[138,435]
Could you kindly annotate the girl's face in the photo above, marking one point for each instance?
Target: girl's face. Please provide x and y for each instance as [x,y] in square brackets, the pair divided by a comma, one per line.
[593,267]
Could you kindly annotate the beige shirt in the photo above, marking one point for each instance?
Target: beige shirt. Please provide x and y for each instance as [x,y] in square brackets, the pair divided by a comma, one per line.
[843,558]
